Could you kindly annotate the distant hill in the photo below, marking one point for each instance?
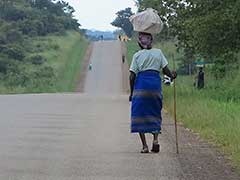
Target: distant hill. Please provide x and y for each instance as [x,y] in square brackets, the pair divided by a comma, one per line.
[95,35]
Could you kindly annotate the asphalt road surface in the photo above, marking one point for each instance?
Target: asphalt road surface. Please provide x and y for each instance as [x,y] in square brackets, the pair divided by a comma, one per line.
[105,77]
[87,136]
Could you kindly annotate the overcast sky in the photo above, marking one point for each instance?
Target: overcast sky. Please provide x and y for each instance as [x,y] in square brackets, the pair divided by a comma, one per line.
[98,14]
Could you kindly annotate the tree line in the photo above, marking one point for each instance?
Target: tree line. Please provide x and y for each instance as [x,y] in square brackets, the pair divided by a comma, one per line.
[208,29]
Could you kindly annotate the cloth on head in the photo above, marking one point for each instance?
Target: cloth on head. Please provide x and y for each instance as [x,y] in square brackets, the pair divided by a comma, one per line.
[145,40]
[147,21]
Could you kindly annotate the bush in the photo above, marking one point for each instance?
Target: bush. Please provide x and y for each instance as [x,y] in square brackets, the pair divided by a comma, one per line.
[45,72]
[3,65]
[14,36]
[33,27]
[2,38]
[11,13]
[13,52]
[41,79]
[54,46]
[19,76]
[37,60]
[16,77]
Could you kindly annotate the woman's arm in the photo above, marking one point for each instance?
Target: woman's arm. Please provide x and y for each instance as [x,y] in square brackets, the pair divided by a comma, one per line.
[132,78]
[170,74]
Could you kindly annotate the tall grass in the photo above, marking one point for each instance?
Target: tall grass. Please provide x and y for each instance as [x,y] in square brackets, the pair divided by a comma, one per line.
[217,121]
[66,60]
[61,69]
[132,48]
[213,112]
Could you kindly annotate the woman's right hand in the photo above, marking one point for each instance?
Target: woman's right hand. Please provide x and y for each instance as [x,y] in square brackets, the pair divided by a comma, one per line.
[130,98]
[174,74]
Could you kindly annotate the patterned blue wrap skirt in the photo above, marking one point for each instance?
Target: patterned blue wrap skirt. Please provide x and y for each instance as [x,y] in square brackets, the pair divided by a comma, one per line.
[147,103]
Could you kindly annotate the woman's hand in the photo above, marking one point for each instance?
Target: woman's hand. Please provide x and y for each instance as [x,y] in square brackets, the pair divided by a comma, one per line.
[130,98]
[174,74]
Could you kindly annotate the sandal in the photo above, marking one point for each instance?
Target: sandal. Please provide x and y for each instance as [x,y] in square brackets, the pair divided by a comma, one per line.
[145,150]
[155,148]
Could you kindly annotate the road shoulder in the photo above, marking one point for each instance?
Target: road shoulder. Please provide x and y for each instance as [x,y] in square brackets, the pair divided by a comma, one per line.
[199,159]
[84,69]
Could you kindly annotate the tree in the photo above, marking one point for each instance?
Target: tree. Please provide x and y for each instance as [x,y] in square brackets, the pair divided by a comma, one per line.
[122,21]
[206,28]
[20,22]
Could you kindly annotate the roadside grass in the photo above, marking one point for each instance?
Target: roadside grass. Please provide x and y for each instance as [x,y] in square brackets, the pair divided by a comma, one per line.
[215,120]
[213,112]
[132,48]
[66,59]
[170,51]
[68,79]
[60,70]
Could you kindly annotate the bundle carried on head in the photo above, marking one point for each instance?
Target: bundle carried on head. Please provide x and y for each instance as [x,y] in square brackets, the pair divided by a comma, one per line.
[147,21]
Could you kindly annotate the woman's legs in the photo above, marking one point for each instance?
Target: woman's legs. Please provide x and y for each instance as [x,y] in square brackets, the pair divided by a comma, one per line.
[144,142]
[143,139]
[155,138]
[156,146]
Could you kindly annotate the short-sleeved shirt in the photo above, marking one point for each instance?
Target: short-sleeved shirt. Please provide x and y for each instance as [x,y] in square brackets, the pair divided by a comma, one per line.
[152,59]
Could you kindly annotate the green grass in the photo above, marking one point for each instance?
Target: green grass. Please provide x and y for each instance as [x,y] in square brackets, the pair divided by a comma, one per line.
[61,70]
[213,112]
[215,120]
[66,60]
[132,48]
[169,50]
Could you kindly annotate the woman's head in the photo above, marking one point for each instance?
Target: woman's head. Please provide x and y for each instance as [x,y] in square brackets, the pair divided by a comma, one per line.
[145,40]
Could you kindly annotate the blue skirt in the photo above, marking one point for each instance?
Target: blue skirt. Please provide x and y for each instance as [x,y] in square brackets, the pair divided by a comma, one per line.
[147,103]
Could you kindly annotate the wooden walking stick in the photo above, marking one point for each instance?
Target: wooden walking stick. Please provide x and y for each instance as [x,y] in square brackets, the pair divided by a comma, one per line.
[175,105]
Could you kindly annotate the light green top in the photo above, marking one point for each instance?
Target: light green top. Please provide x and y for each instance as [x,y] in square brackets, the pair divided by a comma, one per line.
[152,59]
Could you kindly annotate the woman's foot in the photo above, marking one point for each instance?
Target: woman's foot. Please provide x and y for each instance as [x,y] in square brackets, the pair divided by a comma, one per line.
[145,150]
[155,147]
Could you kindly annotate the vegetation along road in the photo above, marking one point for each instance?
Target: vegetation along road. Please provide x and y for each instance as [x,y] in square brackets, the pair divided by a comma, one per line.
[41,47]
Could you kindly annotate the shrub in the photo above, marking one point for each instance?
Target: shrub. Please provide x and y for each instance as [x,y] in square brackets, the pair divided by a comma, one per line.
[55,46]
[41,78]
[16,77]
[14,52]
[13,14]
[3,65]
[45,72]
[37,60]
[14,36]
[2,39]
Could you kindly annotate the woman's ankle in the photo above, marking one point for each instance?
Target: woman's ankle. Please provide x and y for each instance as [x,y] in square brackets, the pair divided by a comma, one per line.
[145,146]
[155,141]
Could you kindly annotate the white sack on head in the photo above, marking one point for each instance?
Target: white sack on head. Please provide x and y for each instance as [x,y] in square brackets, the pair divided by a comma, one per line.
[147,21]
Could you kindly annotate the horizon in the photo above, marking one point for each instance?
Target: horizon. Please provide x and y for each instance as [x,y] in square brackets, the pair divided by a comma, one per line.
[85,13]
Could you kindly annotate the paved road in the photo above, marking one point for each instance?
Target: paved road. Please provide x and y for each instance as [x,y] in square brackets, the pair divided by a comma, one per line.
[86,136]
[106,74]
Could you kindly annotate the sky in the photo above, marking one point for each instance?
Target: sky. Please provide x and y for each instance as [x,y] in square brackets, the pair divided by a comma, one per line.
[98,14]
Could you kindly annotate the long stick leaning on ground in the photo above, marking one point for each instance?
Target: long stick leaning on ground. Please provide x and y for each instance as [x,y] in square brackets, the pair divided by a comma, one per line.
[175,106]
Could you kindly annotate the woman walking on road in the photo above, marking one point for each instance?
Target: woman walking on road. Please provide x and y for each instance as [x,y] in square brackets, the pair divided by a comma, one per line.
[146,91]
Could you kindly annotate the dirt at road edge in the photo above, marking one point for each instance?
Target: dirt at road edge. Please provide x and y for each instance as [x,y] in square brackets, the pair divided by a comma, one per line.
[84,69]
